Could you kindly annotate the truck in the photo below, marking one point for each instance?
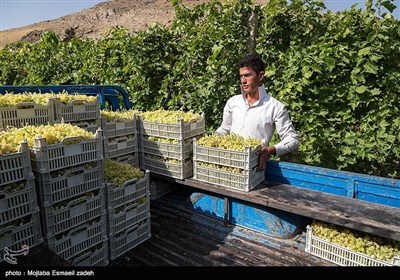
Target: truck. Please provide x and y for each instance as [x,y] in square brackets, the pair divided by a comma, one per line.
[197,223]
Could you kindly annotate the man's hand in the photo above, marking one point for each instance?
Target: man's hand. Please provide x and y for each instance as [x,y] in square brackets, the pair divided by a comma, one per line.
[264,154]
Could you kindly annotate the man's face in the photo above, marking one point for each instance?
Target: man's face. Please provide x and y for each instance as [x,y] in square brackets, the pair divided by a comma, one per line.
[249,79]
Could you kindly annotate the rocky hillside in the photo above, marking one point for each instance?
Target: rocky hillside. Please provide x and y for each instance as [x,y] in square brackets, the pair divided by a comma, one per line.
[92,23]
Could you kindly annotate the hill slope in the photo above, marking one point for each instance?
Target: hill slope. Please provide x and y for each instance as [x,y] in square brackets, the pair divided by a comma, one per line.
[135,15]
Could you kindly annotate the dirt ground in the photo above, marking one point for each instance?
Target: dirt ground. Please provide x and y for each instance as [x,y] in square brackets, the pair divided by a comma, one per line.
[135,15]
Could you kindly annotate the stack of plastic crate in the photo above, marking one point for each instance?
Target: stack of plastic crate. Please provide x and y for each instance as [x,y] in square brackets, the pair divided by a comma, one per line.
[128,211]
[19,212]
[82,113]
[70,182]
[121,140]
[206,161]
[168,159]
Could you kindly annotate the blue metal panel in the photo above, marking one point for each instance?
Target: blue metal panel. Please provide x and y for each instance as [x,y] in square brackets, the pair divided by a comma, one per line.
[360,186]
[266,220]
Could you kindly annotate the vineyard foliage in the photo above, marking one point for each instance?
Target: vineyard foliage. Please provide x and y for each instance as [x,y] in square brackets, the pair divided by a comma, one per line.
[338,73]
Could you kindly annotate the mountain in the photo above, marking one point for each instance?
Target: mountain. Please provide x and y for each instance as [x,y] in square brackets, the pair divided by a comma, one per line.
[135,15]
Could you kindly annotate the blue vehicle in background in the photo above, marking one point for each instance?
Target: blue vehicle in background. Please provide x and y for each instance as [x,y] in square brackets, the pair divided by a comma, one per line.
[111,97]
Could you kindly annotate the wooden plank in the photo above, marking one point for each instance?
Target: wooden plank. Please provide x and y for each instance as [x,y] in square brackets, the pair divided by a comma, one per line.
[356,214]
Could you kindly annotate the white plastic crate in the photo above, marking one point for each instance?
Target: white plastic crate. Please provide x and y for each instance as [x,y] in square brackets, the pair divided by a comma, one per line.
[132,214]
[113,129]
[14,237]
[46,158]
[181,170]
[75,181]
[181,151]
[119,146]
[15,166]
[129,192]
[160,188]
[246,159]
[179,131]
[27,113]
[78,239]
[77,211]
[17,204]
[129,239]
[77,110]
[245,181]
[94,256]
[341,255]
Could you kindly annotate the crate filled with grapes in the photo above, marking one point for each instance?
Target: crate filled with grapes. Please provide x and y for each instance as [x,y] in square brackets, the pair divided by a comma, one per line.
[347,247]
[227,160]
[69,213]
[75,241]
[63,184]
[15,160]
[19,235]
[19,110]
[118,123]
[124,183]
[130,238]
[96,255]
[17,200]
[120,146]
[177,125]
[63,145]
[71,107]
[169,167]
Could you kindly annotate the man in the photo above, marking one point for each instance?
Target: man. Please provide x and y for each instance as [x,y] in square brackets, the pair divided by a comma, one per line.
[254,113]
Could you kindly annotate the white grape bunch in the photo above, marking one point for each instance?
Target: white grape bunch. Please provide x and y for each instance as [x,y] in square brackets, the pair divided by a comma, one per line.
[229,142]
[117,173]
[169,116]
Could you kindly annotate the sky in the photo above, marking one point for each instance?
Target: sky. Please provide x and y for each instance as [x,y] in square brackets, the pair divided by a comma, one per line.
[18,13]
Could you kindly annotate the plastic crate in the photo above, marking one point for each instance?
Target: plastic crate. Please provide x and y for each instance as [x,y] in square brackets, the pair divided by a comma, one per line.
[79,239]
[94,256]
[179,131]
[181,170]
[113,129]
[160,188]
[15,237]
[181,151]
[131,215]
[76,212]
[15,166]
[27,113]
[129,192]
[90,126]
[77,110]
[341,255]
[246,159]
[114,147]
[17,204]
[75,181]
[131,159]
[46,158]
[129,239]
[245,181]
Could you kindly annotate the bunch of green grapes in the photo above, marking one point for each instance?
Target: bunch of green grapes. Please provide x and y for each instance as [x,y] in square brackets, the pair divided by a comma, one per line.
[14,187]
[171,117]
[54,133]
[229,142]
[118,173]
[119,116]
[10,99]
[162,140]
[374,246]
[163,159]
[221,167]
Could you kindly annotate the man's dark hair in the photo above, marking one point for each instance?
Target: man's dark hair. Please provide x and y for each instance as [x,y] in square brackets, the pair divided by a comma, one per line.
[253,61]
